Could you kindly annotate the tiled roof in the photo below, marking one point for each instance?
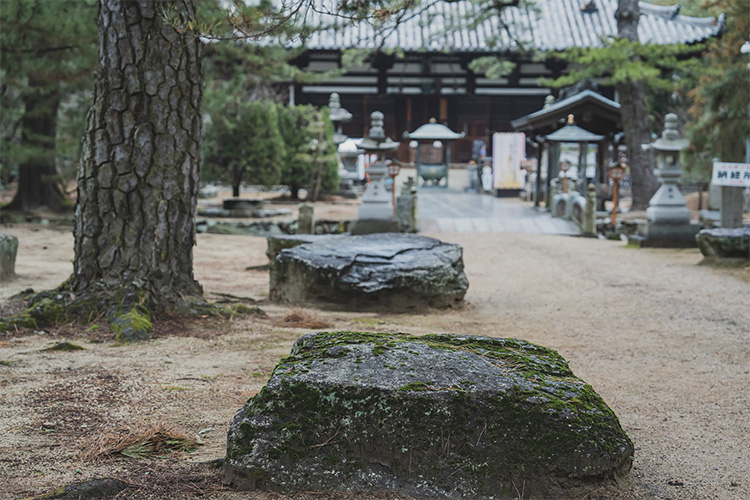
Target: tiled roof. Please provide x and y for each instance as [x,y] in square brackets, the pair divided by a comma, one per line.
[564,105]
[546,25]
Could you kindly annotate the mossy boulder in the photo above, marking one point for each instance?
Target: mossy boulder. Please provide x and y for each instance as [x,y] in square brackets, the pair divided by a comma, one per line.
[392,271]
[725,242]
[436,416]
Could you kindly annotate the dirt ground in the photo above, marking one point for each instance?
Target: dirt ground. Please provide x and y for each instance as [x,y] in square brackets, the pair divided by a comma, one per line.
[664,340]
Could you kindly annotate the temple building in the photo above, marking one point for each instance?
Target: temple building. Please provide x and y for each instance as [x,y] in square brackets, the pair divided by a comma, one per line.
[420,69]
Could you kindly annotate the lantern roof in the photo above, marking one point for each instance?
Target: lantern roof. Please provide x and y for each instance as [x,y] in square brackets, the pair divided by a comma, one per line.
[573,133]
[433,131]
[670,139]
[377,141]
[337,113]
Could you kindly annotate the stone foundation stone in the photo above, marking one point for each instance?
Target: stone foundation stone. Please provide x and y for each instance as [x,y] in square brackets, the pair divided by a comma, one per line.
[388,271]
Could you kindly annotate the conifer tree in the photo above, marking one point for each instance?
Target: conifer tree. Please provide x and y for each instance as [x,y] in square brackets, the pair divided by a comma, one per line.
[48,51]
[720,123]
[309,148]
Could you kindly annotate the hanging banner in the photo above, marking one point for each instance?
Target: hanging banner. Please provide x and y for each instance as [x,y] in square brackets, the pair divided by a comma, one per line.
[731,174]
[508,150]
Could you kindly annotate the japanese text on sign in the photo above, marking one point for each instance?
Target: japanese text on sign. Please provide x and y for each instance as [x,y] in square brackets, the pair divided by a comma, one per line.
[731,174]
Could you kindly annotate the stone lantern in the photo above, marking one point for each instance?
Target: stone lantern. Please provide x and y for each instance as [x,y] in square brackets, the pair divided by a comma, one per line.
[667,215]
[376,210]
[438,135]
[338,116]
[347,153]
[668,206]
[564,204]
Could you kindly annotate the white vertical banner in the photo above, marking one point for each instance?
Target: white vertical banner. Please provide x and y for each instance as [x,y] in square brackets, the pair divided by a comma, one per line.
[508,149]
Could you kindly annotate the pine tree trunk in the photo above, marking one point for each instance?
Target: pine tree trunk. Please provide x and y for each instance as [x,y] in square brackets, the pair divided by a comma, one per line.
[634,115]
[138,182]
[635,124]
[38,182]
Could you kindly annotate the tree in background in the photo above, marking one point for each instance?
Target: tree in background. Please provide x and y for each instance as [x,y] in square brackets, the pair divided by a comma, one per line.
[310,153]
[720,123]
[237,148]
[242,140]
[48,53]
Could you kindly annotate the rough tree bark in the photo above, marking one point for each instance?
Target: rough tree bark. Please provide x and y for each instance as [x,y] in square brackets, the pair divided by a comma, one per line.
[138,183]
[634,114]
[38,181]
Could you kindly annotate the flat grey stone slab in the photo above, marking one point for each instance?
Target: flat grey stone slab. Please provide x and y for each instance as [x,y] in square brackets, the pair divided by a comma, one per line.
[393,271]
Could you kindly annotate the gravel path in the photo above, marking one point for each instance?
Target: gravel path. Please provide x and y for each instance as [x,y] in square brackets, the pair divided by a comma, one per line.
[665,341]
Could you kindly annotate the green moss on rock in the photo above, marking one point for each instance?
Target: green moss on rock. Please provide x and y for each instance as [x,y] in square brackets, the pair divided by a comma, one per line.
[132,326]
[439,416]
[64,347]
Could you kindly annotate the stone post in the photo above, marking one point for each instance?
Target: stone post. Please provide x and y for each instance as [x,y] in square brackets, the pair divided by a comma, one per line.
[732,201]
[589,214]
[406,207]
[306,223]
[8,250]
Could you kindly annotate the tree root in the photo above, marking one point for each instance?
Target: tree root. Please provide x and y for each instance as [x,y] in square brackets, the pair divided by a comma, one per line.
[128,310]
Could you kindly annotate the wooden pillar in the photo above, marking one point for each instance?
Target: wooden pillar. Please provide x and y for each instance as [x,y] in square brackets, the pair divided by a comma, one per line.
[553,155]
[408,114]
[538,188]
[601,171]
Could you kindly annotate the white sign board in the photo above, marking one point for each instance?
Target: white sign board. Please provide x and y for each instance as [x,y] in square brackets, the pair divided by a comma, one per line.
[508,149]
[731,174]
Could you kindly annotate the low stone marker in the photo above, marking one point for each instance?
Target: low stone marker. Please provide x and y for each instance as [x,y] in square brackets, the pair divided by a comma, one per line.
[306,224]
[8,250]
[393,271]
[436,416]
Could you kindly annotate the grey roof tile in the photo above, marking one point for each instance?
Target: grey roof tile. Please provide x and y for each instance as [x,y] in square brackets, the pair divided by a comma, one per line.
[546,25]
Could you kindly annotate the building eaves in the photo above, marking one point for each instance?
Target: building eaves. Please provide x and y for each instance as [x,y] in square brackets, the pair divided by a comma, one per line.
[547,25]
[562,106]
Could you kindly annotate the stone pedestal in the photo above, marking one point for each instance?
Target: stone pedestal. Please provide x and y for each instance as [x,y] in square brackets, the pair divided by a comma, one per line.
[668,206]
[376,211]
[665,235]
[376,201]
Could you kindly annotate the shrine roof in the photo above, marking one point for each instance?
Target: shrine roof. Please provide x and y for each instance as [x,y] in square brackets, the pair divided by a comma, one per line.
[563,107]
[544,25]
